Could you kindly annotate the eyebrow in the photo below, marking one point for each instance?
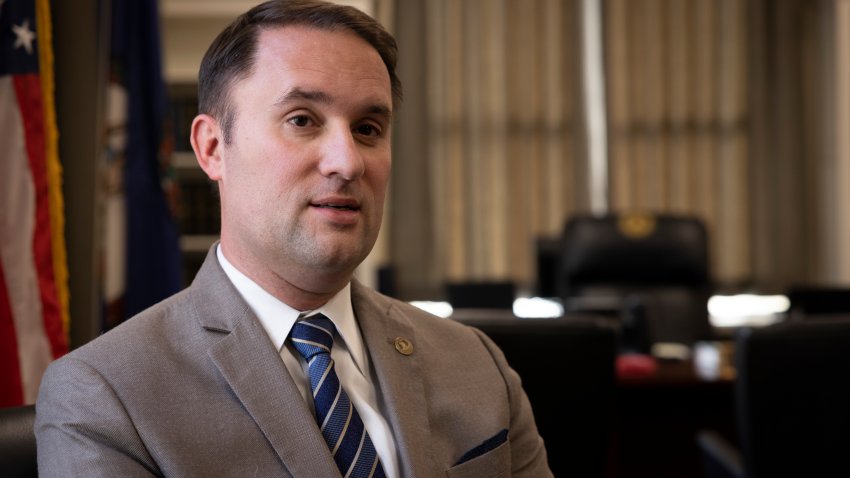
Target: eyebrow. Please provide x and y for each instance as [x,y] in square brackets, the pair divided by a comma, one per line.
[300,94]
[322,97]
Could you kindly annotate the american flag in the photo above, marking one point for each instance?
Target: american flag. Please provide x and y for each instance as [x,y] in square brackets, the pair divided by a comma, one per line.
[33,271]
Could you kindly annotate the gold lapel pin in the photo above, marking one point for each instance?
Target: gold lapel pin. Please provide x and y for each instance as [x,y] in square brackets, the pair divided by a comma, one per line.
[403,346]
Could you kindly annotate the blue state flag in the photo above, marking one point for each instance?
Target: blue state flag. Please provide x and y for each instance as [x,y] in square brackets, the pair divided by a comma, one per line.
[153,259]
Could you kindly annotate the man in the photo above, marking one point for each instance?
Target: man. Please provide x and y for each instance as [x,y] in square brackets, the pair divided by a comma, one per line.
[296,102]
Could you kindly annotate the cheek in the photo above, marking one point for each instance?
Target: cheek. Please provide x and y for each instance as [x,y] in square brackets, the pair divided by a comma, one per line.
[269,174]
[255,188]
[379,175]
[260,182]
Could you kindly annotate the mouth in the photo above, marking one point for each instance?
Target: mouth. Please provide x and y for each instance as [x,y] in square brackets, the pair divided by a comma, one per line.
[337,204]
[337,207]
[338,211]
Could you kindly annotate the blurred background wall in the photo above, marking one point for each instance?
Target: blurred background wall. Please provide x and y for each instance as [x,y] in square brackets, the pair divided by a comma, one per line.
[735,111]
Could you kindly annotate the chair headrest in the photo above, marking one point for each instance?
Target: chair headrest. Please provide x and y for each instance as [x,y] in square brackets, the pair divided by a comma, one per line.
[634,249]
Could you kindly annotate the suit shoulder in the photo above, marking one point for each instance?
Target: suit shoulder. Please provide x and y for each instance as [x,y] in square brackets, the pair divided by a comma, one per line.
[156,326]
[420,316]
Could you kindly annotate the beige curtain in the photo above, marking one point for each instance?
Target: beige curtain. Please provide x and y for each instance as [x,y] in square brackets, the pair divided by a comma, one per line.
[501,127]
[678,117]
[801,155]
[499,145]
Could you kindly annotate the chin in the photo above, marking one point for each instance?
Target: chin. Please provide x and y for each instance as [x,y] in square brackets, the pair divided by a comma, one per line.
[336,260]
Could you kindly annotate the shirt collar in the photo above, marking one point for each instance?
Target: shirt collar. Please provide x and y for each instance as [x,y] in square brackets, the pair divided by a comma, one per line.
[277,318]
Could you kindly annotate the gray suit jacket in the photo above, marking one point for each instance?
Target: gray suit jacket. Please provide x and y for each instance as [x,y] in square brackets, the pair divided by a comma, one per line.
[194,387]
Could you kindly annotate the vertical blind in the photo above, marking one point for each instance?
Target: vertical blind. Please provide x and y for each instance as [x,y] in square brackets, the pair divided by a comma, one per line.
[678,117]
[501,122]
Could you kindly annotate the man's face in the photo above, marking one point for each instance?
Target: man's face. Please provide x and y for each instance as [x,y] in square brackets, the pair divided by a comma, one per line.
[304,177]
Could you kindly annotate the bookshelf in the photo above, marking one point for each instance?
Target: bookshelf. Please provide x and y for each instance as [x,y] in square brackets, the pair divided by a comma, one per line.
[188,27]
[198,211]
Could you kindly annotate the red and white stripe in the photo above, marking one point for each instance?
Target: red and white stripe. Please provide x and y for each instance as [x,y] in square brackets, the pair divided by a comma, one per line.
[31,325]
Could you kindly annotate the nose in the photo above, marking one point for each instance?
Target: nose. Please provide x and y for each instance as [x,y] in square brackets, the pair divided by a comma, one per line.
[341,155]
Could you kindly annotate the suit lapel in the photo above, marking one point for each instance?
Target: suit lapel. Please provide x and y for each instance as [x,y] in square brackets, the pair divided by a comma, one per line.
[399,377]
[256,374]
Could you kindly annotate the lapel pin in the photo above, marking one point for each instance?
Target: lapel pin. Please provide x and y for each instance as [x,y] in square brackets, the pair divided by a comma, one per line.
[403,346]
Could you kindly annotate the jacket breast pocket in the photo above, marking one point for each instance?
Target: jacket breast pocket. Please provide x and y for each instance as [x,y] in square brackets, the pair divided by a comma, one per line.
[494,464]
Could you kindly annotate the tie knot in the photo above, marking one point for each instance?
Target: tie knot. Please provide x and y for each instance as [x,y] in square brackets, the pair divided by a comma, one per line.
[313,335]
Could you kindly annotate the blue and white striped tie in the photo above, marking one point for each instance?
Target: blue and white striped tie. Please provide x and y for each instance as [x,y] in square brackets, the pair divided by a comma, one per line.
[341,426]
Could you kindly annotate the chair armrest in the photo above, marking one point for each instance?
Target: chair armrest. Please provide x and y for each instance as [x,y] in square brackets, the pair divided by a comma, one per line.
[17,441]
[719,458]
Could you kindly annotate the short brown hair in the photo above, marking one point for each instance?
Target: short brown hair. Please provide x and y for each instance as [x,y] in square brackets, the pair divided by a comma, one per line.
[230,57]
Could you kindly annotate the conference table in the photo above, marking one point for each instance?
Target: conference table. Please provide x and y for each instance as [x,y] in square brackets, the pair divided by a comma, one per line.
[658,410]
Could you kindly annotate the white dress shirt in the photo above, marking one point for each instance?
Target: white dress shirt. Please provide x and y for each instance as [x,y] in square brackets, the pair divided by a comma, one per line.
[348,353]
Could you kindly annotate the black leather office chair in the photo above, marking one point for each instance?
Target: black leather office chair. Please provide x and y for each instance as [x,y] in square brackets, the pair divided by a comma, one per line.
[793,403]
[567,370]
[652,268]
[17,442]
[811,301]
[481,296]
[547,259]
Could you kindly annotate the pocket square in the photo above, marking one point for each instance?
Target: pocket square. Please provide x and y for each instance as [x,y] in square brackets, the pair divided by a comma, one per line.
[485,446]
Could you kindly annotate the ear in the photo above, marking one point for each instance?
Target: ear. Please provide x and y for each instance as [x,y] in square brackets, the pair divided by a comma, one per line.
[207,142]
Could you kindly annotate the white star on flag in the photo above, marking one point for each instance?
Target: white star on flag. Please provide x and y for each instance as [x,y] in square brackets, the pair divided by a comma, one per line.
[24,35]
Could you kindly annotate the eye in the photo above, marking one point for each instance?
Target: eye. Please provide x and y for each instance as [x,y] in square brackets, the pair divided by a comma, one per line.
[367,129]
[300,121]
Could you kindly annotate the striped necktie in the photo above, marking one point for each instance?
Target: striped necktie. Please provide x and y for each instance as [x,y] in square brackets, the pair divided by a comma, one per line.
[341,426]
